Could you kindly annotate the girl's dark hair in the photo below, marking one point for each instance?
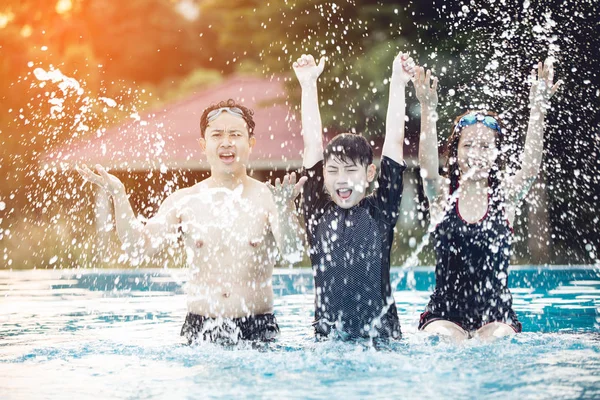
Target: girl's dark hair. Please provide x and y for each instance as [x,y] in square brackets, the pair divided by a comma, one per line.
[452,170]
[247,115]
[349,147]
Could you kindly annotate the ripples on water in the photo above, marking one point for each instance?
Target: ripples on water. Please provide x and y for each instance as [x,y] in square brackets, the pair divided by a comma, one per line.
[116,335]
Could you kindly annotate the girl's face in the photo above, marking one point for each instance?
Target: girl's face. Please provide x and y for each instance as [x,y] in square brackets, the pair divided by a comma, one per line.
[477,151]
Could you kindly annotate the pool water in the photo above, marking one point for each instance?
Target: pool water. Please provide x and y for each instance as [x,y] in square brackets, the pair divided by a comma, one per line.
[115,334]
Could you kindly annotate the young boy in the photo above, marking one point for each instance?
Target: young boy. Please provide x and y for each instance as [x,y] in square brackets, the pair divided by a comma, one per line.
[350,234]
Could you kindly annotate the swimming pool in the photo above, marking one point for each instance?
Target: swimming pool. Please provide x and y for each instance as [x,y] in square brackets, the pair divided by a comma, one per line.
[115,334]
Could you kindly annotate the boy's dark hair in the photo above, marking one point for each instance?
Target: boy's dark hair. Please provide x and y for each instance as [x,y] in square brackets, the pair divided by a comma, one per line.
[247,115]
[349,147]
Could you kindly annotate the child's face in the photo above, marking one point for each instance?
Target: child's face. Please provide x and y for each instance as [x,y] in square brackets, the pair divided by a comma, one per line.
[347,182]
[477,151]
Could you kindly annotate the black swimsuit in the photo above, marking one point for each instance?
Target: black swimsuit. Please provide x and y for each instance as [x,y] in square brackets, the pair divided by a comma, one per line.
[350,255]
[254,328]
[471,271]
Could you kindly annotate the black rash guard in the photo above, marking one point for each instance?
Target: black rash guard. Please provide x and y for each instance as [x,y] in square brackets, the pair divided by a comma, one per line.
[471,271]
[350,255]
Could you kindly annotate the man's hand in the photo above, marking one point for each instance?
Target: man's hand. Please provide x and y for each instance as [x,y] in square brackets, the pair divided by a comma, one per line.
[542,85]
[403,68]
[307,70]
[284,192]
[426,88]
[106,181]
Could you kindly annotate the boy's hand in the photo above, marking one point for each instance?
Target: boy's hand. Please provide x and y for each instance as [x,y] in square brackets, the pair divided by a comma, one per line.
[106,181]
[426,88]
[403,68]
[542,85]
[307,70]
[285,192]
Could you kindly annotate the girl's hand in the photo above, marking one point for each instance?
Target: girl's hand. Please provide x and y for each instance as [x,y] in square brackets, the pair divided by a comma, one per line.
[542,85]
[426,88]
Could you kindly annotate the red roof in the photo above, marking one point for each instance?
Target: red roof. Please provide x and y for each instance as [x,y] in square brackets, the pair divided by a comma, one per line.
[168,138]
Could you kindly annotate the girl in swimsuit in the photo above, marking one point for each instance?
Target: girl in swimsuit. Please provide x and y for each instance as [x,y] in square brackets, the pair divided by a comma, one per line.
[473,208]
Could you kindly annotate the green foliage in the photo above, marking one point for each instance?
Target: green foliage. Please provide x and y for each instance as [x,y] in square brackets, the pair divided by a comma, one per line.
[359,39]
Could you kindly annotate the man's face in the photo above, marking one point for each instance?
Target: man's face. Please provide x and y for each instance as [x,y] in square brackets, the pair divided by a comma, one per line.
[477,151]
[347,182]
[227,144]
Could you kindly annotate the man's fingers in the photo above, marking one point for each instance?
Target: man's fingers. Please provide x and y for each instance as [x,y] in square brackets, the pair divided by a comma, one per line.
[435,83]
[80,170]
[293,178]
[90,176]
[87,170]
[103,173]
[84,174]
[277,183]
[299,185]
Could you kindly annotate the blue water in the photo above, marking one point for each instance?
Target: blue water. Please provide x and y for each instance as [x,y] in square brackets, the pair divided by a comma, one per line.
[115,334]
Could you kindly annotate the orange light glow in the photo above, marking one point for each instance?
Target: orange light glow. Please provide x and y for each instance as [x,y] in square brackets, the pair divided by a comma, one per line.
[63,6]
[26,31]
[5,18]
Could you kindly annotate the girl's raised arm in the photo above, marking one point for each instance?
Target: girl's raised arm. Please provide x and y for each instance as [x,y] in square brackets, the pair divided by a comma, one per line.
[542,89]
[426,92]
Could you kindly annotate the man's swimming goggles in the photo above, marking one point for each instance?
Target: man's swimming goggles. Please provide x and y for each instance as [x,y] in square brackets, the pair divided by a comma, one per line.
[473,118]
[231,110]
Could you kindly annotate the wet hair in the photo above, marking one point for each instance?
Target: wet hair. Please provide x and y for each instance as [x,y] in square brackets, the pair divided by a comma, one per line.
[247,115]
[349,147]
[452,170]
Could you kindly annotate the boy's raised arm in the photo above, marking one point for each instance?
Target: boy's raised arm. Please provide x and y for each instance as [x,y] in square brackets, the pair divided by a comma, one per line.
[402,71]
[307,72]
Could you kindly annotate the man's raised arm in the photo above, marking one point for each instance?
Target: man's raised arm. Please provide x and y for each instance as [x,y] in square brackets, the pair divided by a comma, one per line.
[139,240]
[286,229]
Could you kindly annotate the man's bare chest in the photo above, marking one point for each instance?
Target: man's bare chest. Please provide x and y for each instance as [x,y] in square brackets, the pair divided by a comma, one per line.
[224,220]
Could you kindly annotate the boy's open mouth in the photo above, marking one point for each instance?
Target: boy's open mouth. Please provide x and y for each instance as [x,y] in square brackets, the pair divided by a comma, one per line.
[344,194]
[227,157]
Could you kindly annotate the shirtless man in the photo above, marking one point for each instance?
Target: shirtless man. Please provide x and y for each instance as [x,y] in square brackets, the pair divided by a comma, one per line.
[231,226]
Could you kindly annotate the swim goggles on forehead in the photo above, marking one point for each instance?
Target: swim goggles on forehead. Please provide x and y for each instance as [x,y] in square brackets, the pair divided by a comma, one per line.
[231,110]
[473,118]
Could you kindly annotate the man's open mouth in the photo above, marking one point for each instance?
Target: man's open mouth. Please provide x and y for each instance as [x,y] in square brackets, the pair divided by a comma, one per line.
[227,157]
[344,194]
